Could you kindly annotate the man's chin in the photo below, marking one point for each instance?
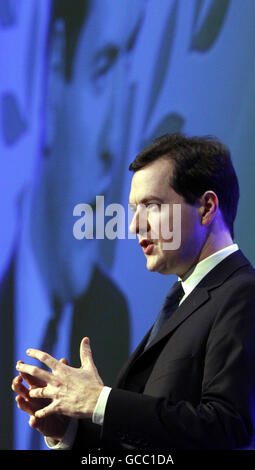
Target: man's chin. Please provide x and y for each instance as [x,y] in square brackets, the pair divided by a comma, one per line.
[159,266]
[149,263]
[154,264]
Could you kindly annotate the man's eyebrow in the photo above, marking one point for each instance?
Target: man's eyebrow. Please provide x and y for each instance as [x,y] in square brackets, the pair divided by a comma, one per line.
[146,199]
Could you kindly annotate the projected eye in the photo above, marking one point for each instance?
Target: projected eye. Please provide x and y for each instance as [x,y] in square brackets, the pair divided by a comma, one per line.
[103,62]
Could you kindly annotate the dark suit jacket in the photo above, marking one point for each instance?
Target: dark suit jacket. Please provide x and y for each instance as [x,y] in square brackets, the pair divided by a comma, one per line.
[194,387]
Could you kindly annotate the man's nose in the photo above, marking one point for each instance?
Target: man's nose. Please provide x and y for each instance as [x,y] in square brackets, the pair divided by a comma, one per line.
[139,223]
[133,224]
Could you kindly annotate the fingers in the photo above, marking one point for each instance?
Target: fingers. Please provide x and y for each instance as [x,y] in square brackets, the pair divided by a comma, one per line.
[33,421]
[24,405]
[43,357]
[43,392]
[19,388]
[23,399]
[46,411]
[36,398]
[32,381]
[34,372]
[36,378]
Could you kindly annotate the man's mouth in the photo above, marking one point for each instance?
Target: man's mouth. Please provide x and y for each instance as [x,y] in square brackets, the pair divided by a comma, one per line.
[147,246]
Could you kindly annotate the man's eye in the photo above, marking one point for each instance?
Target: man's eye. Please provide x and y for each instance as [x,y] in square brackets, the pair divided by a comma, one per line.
[153,206]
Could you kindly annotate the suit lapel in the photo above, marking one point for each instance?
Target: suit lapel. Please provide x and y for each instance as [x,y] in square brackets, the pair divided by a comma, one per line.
[182,312]
[196,299]
[200,294]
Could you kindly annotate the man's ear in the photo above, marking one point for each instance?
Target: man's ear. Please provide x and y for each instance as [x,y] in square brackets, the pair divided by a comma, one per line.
[209,205]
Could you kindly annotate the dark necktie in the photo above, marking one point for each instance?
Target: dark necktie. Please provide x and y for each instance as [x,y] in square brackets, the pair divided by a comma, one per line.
[170,305]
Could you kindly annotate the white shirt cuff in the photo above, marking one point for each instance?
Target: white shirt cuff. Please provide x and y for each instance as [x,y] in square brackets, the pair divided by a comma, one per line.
[99,411]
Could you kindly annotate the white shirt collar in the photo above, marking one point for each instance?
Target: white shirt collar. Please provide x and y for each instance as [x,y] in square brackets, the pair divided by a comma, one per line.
[203,268]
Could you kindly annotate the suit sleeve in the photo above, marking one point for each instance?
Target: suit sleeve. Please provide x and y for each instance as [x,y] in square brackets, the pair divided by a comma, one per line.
[225,416]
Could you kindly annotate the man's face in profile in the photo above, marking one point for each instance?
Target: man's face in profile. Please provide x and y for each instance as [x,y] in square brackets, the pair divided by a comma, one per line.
[150,189]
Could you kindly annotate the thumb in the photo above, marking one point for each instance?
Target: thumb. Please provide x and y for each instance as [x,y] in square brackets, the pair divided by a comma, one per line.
[87,359]
[85,352]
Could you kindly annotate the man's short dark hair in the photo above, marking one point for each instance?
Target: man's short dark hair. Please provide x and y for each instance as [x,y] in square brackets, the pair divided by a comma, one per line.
[200,164]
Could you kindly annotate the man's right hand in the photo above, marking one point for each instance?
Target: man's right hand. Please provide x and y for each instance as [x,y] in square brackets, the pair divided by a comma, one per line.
[53,426]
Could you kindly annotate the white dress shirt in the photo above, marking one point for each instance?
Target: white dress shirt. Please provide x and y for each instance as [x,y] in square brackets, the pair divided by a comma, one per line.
[189,282]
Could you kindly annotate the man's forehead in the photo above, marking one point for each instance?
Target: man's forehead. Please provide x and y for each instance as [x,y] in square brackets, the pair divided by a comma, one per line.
[151,181]
[158,171]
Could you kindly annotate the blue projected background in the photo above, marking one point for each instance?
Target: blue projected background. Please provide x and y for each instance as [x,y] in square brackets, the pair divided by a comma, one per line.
[84,86]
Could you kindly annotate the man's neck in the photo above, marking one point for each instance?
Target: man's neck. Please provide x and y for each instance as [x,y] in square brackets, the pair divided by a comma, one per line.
[211,258]
[212,245]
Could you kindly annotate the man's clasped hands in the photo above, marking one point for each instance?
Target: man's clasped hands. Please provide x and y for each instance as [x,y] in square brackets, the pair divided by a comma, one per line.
[52,398]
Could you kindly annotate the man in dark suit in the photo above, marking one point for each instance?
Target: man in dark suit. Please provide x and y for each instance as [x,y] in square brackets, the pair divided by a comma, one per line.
[190,384]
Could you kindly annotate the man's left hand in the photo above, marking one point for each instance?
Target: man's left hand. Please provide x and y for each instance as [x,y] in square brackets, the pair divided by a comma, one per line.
[73,392]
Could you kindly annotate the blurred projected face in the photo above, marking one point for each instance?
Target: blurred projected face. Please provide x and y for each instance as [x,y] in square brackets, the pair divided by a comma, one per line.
[85,119]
